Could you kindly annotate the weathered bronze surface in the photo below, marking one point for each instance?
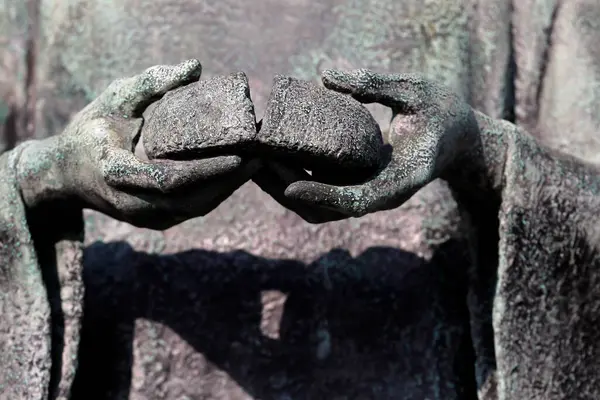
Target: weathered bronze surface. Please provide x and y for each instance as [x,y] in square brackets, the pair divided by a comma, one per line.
[322,130]
[250,301]
[215,115]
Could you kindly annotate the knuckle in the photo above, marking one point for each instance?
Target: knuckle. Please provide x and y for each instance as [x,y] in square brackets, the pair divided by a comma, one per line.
[358,203]
[364,77]
[116,84]
[107,169]
[97,126]
[147,81]
[114,167]
[114,90]
[161,180]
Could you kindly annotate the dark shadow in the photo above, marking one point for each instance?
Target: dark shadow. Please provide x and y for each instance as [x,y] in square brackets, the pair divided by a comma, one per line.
[68,217]
[11,129]
[378,325]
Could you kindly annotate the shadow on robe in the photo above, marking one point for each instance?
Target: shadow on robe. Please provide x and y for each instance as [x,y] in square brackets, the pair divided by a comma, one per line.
[385,324]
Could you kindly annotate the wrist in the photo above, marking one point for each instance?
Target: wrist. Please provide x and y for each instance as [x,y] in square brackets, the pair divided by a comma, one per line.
[479,171]
[40,171]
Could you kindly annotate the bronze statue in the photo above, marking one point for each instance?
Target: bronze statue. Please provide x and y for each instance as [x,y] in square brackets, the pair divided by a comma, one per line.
[251,302]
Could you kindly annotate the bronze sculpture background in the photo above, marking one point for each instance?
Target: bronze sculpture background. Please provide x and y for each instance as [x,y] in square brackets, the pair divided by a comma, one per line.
[507,59]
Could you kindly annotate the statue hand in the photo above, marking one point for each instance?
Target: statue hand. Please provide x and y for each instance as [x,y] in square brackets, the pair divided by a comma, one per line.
[430,128]
[274,177]
[98,165]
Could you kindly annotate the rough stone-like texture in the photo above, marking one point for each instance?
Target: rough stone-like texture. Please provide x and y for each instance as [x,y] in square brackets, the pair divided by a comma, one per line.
[558,79]
[41,287]
[547,300]
[86,44]
[210,309]
[25,329]
[479,48]
[214,115]
[469,45]
[320,129]
[15,76]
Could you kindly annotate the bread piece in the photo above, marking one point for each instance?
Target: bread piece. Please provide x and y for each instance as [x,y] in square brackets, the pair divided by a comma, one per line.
[325,131]
[208,117]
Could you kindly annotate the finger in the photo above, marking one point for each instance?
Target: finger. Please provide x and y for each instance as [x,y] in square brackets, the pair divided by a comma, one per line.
[391,90]
[131,96]
[347,200]
[274,178]
[201,199]
[123,170]
[389,189]
[158,210]
[285,174]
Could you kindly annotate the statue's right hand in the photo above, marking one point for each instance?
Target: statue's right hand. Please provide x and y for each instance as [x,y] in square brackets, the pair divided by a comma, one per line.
[99,167]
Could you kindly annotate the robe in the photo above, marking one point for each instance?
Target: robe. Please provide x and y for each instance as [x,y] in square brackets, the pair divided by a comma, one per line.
[251,302]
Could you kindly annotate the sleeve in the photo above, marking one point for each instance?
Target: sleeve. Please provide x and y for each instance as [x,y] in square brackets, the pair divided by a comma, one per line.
[41,293]
[533,227]
[25,330]
[546,300]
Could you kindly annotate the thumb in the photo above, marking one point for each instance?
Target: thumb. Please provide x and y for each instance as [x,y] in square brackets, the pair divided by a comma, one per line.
[397,91]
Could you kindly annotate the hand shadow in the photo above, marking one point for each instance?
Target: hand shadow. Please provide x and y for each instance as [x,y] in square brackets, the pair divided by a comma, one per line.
[386,324]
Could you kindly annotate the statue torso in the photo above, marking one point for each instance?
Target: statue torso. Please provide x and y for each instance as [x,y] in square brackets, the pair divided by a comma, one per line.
[226,316]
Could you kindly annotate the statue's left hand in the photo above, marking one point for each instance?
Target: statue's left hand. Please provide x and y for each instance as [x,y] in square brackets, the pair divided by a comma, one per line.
[431,130]
[97,164]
